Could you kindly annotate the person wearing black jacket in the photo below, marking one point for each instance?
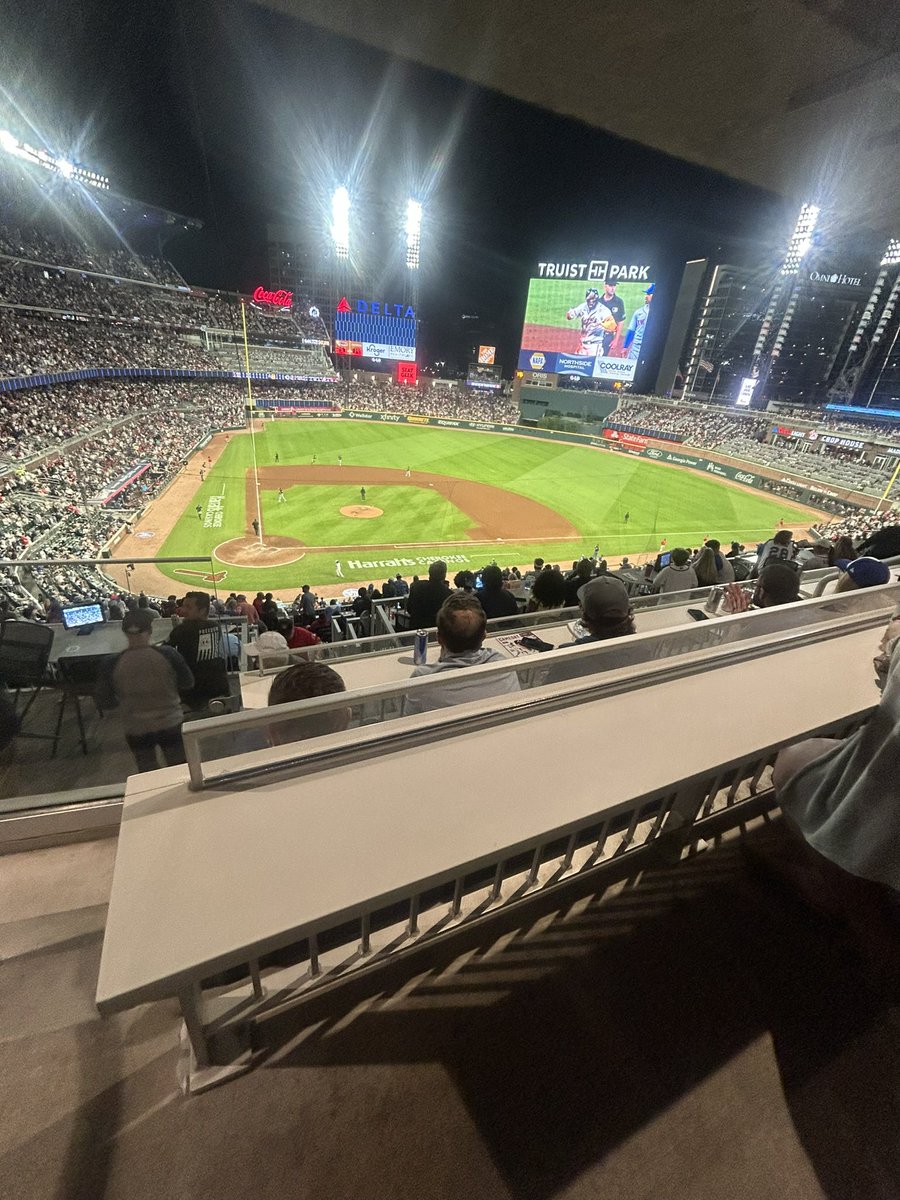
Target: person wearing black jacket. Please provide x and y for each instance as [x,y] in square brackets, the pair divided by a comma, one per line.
[496,600]
[426,597]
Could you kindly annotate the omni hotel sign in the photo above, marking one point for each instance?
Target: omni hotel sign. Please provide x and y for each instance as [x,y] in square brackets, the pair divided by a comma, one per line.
[279,299]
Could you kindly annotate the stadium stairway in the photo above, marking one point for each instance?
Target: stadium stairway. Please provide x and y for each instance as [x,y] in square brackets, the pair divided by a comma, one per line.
[698,1033]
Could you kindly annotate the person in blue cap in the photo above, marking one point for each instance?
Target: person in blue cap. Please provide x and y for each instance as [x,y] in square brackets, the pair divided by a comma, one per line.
[634,334]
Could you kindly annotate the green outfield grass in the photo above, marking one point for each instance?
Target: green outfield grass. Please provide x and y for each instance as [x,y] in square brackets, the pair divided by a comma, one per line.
[592,489]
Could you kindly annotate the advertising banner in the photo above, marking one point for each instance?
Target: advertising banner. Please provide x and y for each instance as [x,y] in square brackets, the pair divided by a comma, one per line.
[625,439]
[589,324]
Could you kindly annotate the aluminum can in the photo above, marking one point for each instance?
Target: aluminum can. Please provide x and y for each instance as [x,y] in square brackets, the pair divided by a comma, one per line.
[420,647]
[714,599]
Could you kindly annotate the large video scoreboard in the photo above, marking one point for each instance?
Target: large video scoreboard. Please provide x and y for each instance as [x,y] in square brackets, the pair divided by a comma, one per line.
[587,319]
[375,329]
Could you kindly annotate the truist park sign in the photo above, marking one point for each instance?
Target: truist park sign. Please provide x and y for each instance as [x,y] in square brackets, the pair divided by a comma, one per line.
[279,299]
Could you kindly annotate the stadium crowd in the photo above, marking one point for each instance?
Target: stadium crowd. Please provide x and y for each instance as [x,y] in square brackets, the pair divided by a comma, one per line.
[33,420]
[743,437]
[447,404]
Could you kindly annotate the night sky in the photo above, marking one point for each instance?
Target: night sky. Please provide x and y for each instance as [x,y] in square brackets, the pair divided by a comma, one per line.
[229,113]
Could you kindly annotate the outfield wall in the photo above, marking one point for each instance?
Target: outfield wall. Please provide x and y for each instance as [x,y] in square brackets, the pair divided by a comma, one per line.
[639,447]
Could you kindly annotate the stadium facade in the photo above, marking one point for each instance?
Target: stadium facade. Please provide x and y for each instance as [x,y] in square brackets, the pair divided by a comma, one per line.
[829,334]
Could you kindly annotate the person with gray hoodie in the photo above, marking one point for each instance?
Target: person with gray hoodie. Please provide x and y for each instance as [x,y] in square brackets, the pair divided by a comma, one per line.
[461,627]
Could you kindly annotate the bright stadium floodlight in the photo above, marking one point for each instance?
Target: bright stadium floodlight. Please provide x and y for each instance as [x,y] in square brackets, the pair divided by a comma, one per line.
[801,239]
[891,254]
[7,141]
[340,222]
[413,233]
[65,168]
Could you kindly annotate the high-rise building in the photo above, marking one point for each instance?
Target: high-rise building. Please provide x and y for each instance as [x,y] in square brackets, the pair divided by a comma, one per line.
[792,338]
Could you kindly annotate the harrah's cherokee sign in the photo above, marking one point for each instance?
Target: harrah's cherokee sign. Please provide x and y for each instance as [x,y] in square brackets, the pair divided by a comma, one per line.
[281,299]
[598,269]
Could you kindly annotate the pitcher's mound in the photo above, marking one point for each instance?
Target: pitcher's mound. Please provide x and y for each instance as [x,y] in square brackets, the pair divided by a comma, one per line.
[275,551]
[365,511]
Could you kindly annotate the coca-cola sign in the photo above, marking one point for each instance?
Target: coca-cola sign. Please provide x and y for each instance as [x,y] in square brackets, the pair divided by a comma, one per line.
[281,299]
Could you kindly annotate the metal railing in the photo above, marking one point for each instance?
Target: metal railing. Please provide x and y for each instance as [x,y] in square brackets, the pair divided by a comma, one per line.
[613,841]
[216,747]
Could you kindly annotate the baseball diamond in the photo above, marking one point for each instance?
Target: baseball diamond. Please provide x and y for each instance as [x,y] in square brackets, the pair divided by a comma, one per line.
[470,497]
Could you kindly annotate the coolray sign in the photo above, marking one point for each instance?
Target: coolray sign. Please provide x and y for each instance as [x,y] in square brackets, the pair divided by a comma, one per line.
[837,278]
[376,308]
[280,298]
[599,269]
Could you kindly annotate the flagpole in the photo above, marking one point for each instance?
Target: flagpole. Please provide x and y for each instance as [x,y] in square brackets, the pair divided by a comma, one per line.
[259,526]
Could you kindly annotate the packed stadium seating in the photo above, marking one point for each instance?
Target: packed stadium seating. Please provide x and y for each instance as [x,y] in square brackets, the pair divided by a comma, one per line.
[743,437]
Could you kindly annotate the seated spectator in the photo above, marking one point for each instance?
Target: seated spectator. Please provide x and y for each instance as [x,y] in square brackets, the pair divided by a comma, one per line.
[580,574]
[815,557]
[779,583]
[362,604]
[547,592]
[678,576]
[243,609]
[297,636]
[144,602]
[842,548]
[779,548]
[401,587]
[883,543]
[427,596]
[838,803]
[724,568]
[270,649]
[145,681]
[304,681]
[529,577]
[461,627]
[201,644]
[605,610]
[861,573]
[705,568]
[495,599]
[464,581]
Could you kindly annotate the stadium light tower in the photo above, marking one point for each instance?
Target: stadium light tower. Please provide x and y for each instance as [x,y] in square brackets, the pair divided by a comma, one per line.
[801,239]
[413,234]
[340,222]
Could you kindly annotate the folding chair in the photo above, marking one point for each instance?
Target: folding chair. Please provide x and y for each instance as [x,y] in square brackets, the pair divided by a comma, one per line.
[24,663]
[78,678]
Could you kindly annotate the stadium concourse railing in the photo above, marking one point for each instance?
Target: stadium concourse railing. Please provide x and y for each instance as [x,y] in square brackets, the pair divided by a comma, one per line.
[213,741]
[303,866]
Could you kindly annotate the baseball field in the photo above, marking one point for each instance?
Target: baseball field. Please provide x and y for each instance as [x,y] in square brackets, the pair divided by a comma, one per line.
[468,497]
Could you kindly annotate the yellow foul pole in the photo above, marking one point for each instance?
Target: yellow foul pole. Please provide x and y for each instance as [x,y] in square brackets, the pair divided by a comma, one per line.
[887,490]
[252,428]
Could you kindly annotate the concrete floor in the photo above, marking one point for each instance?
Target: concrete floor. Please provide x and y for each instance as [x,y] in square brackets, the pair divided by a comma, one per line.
[700,1034]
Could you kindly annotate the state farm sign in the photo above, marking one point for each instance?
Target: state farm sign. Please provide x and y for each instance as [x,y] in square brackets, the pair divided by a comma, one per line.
[625,439]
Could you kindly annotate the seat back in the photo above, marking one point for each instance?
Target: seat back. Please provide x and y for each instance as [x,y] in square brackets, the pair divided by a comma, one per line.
[24,653]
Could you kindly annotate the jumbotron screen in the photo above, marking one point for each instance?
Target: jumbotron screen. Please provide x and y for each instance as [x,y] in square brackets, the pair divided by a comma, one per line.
[375,329]
[587,319]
